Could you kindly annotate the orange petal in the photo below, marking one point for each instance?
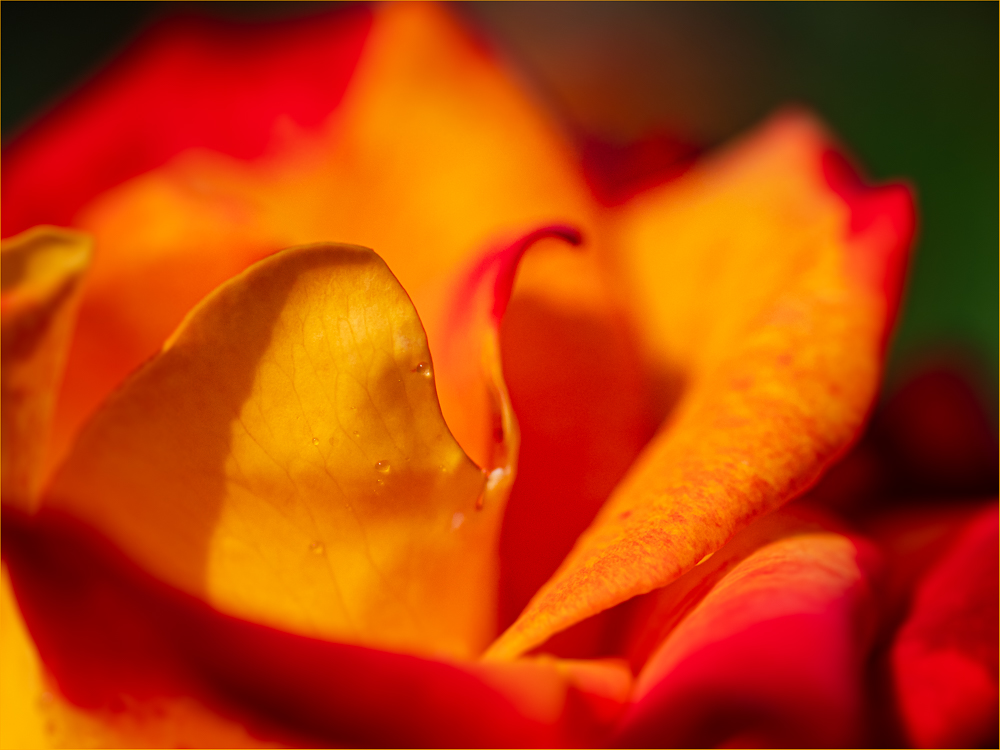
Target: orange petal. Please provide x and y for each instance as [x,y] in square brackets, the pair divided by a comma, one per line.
[474,161]
[285,458]
[42,269]
[755,283]
[771,657]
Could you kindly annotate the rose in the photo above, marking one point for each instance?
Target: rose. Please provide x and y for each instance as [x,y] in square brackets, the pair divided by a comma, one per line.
[823,326]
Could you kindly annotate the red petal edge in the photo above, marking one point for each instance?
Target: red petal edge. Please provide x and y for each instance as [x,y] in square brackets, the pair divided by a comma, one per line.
[188,82]
[875,209]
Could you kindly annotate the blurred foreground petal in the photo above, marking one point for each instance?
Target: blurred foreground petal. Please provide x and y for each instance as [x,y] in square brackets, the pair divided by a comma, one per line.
[188,82]
[771,286]
[21,685]
[42,270]
[124,648]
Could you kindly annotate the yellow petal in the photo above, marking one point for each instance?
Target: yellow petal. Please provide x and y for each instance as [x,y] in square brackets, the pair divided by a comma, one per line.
[285,458]
[41,273]
[752,284]
[21,679]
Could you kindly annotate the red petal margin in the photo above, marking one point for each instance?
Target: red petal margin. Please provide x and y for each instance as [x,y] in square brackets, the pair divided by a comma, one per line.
[771,660]
[112,636]
[503,263]
[188,82]
[944,660]
[882,224]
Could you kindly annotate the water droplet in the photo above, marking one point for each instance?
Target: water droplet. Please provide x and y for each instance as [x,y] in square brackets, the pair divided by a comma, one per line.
[316,548]
[315,441]
[382,467]
[423,368]
[494,478]
[357,434]
[457,520]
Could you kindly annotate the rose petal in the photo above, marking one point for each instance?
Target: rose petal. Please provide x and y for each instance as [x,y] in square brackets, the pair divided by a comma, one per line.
[188,82]
[36,715]
[122,645]
[585,403]
[771,657]
[21,686]
[944,658]
[753,282]
[285,458]
[42,270]
[475,161]
[463,320]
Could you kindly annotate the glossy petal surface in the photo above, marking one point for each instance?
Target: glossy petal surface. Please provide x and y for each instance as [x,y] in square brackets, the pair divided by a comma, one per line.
[285,458]
[42,271]
[752,278]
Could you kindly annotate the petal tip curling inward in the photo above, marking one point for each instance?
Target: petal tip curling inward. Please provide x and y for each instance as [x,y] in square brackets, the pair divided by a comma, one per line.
[41,277]
[466,323]
[285,458]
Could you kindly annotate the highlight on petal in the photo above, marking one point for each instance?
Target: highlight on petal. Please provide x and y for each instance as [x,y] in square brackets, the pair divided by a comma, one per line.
[944,658]
[21,679]
[771,657]
[41,274]
[475,161]
[285,458]
[748,276]
[131,652]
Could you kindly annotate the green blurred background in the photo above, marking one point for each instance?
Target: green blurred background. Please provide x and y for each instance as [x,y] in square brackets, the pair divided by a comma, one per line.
[912,89]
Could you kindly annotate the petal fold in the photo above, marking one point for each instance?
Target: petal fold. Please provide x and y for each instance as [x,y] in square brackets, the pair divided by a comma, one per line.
[285,458]
[42,272]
